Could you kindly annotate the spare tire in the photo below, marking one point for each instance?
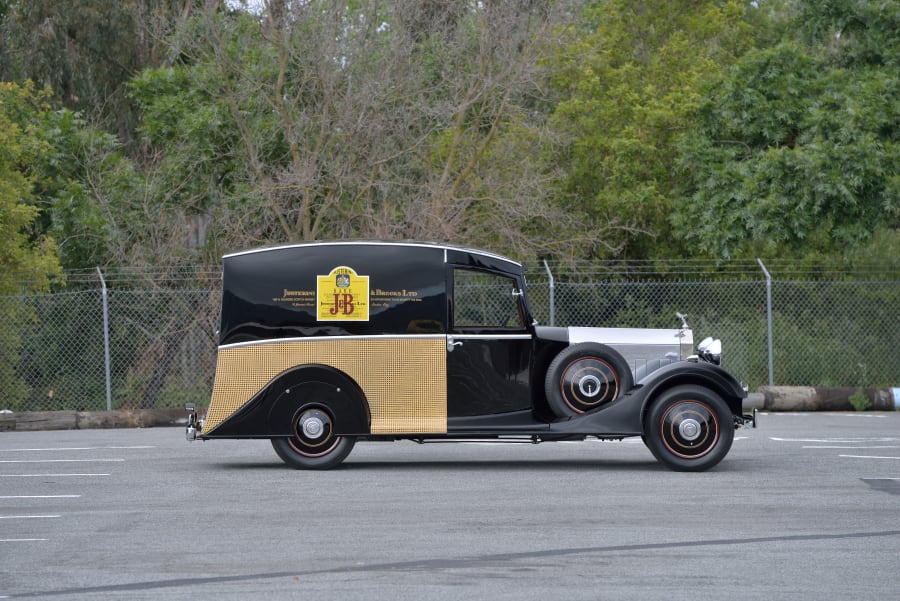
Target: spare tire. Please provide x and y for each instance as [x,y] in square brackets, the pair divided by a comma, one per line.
[585,376]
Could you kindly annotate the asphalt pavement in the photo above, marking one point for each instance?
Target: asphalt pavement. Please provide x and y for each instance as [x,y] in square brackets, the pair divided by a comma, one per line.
[805,507]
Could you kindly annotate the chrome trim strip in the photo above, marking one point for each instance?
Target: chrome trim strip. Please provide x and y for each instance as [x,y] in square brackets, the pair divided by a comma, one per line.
[490,336]
[330,338]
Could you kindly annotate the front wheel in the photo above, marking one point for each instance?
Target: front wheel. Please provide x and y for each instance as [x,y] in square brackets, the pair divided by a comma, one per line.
[313,445]
[689,428]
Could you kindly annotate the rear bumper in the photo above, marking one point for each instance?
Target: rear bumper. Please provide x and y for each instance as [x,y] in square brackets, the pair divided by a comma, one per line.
[194,423]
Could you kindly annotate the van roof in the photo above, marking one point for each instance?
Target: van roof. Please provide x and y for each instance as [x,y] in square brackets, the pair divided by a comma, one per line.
[409,243]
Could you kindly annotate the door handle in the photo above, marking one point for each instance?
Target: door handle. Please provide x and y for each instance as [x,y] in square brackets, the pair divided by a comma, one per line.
[452,344]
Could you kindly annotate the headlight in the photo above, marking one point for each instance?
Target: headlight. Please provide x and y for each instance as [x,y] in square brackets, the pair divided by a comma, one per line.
[710,350]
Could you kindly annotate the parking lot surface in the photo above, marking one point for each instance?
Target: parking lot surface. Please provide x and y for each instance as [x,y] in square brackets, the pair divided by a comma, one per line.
[807,506]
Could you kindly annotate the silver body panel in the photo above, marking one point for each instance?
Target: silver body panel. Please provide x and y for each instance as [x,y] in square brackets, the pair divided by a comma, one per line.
[639,345]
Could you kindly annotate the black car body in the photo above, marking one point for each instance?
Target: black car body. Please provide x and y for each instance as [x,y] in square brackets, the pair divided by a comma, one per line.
[323,344]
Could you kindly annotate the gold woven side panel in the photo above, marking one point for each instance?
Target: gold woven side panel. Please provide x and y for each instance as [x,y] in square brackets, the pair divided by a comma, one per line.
[404,379]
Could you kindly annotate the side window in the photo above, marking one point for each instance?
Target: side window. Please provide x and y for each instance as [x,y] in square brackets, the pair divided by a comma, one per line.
[485,300]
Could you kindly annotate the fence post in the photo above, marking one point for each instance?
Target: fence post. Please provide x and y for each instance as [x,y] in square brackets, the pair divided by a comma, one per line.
[105,296]
[552,294]
[769,320]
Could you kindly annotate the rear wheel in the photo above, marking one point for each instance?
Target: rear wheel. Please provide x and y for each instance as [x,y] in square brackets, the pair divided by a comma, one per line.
[689,428]
[585,376]
[313,445]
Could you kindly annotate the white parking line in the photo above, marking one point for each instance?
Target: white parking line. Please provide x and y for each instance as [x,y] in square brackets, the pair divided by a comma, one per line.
[74,449]
[27,517]
[61,460]
[845,447]
[807,414]
[841,440]
[49,475]
[868,457]
[21,540]
[862,415]
[40,497]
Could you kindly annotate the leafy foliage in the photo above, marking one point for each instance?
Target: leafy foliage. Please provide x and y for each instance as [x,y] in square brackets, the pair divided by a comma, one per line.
[795,149]
[632,78]
[325,120]
[27,261]
[85,51]
[27,257]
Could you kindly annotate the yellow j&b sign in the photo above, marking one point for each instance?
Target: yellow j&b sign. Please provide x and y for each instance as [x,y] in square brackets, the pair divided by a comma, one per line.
[342,295]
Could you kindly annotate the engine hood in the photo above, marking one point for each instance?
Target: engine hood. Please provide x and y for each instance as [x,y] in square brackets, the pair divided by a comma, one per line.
[637,345]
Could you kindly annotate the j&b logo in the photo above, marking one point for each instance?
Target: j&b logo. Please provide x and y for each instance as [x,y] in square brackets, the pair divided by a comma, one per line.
[343,304]
[342,295]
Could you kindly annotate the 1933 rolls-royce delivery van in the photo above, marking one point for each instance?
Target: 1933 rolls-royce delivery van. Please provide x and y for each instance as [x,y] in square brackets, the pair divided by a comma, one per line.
[323,344]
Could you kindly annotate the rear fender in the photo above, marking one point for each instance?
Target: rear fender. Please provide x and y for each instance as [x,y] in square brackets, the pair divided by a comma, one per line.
[322,386]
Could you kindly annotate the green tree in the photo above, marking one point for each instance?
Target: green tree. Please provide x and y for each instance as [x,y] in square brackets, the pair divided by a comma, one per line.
[27,261]
[795,149]
[84,187]
[87,50]
[79,185]
[632,78]
[367,119]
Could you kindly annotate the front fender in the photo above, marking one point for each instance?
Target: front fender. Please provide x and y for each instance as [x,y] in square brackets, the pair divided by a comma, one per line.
[699,373]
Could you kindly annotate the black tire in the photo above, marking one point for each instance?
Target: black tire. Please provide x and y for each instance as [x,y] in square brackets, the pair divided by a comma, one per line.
[585,376]
[313,445]
[689,428]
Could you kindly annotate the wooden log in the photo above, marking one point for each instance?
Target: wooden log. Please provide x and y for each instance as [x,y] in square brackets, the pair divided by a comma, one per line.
[7,422]
[808,398]
[91,420]
[45,420]
[128,418]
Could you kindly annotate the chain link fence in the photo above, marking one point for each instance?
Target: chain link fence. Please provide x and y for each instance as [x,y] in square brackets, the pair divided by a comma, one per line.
[157,328]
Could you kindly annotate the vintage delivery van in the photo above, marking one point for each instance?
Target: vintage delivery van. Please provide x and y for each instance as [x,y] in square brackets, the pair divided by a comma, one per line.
[324,344]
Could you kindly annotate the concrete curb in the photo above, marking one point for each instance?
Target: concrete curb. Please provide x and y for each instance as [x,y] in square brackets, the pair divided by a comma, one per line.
[92,420]
[808,398]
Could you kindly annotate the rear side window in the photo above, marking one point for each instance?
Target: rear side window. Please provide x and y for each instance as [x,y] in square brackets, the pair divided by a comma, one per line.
[485,300]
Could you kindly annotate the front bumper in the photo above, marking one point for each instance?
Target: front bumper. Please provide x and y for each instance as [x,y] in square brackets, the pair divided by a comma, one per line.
[747,418]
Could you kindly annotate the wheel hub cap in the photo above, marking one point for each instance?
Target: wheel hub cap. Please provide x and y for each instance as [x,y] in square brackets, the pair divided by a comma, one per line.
[588,382]
[313,426]
[689,429]
[589,386]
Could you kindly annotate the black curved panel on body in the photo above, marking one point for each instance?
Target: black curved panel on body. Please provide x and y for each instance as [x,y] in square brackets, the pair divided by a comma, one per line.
[271,412]
[274,293]
[621,417]
[552,334]
[516,423]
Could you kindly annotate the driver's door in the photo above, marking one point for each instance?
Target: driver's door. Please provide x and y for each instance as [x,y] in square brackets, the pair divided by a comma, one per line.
[488,346]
